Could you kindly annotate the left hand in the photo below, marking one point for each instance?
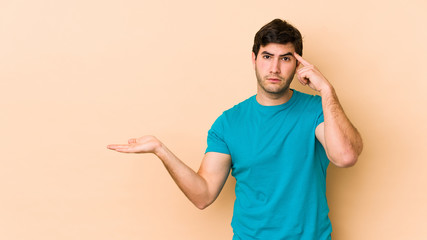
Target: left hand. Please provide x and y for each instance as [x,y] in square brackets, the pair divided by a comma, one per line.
[309,75]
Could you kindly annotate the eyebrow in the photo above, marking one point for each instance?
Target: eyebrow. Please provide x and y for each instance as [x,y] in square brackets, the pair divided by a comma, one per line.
[286,54]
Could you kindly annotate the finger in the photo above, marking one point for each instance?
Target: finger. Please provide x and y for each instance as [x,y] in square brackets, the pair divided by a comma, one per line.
[301,80]
[306,71]
[124,150]
[304,75]
[115,146]
[301,60]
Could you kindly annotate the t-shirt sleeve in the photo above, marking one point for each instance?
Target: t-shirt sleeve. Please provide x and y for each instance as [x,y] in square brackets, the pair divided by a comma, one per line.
[319,111]
[320,150]
[319,118]
[215,141]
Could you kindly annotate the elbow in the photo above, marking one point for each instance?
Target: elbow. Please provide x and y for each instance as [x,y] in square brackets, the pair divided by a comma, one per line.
[346,160]
[202,198]
[202,205]
[202,202]
[348,157]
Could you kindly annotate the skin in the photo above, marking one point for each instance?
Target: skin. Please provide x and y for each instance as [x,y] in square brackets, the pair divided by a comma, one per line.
[275,67]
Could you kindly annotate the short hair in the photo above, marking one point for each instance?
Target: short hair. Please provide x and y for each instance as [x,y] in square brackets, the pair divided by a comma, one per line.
[277,31]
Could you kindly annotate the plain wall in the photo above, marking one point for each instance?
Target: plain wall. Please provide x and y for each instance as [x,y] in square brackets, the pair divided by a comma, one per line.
[78,75]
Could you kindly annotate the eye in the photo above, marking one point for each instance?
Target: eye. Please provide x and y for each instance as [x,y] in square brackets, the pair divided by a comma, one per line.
[286,59]
[266,56]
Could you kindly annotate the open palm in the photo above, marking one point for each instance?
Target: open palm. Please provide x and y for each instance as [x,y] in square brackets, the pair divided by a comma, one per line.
[145,144]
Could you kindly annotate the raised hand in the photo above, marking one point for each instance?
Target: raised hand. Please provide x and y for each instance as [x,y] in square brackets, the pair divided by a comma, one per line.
[203,187]
[309,75]
[145,144]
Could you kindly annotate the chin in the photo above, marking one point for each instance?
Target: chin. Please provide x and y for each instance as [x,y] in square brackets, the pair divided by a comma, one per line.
[277,90]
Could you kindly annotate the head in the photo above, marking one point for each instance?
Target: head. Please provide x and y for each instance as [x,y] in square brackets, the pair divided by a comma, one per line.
[272,56]
[277,31]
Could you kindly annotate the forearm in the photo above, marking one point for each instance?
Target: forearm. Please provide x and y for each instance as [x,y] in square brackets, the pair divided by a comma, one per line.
[343,141]
[340,138]
[191,183]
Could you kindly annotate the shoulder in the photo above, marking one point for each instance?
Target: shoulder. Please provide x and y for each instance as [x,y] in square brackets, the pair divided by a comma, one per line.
[235,112]
[306,100]
[306,97]
[239,108]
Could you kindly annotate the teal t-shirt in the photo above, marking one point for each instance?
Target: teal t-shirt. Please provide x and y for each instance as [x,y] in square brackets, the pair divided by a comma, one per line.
[279,166]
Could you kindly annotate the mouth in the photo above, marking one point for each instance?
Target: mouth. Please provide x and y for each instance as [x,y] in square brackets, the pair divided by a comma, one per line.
[274,79]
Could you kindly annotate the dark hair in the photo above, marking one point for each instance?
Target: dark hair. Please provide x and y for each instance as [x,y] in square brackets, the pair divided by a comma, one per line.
[277,31]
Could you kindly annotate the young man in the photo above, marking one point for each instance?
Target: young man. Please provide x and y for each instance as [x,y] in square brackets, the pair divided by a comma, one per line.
[277,143]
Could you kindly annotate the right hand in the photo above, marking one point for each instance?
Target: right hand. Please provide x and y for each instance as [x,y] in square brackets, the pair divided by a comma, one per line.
[145,144]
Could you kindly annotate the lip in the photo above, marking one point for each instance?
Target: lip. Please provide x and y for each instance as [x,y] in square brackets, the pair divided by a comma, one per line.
[273,79]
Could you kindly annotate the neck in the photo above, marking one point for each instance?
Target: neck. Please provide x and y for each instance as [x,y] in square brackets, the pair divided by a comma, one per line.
[272,99]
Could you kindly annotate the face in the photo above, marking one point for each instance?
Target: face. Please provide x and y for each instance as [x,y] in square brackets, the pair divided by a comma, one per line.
[275,67]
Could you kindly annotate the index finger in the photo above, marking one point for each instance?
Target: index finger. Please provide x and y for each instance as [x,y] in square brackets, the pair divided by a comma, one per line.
[301,60]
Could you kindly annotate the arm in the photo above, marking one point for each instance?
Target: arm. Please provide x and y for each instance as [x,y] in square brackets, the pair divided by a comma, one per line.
[201,188]
[341,140]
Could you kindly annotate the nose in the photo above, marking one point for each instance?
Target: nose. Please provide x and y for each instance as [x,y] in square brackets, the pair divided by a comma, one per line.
[275,67]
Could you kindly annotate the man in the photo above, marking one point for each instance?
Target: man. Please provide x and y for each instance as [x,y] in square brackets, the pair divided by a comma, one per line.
[278,144]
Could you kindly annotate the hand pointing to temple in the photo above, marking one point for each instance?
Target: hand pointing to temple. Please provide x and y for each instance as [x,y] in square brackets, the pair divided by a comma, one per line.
[309,75]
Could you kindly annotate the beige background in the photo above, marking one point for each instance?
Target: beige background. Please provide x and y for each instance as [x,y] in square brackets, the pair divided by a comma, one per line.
[78,75]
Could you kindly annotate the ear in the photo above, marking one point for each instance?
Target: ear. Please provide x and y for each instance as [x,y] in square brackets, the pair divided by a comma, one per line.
[253,59]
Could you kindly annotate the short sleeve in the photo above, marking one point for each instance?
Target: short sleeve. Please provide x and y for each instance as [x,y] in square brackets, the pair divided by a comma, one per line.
[320,150]
[319,111]
[320,118]
[215,141]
